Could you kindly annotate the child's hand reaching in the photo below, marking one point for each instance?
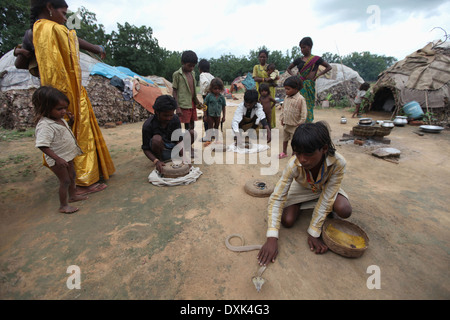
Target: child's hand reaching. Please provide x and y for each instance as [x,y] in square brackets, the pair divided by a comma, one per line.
[159,166]
[268,252]
[71,118]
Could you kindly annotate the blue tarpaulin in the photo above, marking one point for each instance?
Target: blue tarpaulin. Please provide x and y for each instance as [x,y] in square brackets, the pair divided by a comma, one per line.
[109,71]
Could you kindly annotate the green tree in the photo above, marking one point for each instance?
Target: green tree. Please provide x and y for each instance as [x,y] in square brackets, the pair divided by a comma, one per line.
[368,65]
[331,57]
[92,32]
[14,21]
[227,67]
[135,48]
[171,61]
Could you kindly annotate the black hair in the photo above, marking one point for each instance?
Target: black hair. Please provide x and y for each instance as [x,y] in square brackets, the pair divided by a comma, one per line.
[264,51]
[271,65]
[189,56]
[251,96]
[307,41]
[309,137]
[45,99]
[293,82]
[37,6]
[165,103]
[264,87]
[204,65]
[365,86]
[216,82]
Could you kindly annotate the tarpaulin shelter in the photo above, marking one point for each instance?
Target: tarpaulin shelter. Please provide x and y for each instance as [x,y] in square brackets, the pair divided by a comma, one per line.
[340,81]
[109,103]
[244,82]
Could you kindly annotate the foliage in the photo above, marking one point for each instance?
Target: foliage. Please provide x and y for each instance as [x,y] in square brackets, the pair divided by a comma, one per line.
[368,65]
[10,135]
[171,63]
[14,21]
[91,31]
[428,117]
[136,48]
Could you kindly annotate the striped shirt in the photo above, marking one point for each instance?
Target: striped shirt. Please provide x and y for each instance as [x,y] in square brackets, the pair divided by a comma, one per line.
[294,110]
[328,184]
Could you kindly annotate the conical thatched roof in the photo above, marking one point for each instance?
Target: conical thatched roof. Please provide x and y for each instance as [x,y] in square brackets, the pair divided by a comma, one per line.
[423,76]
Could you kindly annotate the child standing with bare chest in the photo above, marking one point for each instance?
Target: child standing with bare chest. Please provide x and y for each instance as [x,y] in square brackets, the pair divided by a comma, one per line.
[267,101]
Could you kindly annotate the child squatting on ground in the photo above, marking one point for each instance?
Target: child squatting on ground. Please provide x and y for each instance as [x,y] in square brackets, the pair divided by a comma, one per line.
[56,140]
[249,115]
[294,111]
[216,105]
[158,131]
[311,179]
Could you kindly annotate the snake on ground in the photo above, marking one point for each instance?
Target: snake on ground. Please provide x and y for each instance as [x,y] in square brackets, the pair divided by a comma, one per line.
[257,280]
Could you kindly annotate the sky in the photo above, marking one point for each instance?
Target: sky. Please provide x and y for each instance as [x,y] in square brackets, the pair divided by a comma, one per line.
[214,28]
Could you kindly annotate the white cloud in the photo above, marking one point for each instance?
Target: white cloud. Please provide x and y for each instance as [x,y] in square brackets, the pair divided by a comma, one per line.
[212,28]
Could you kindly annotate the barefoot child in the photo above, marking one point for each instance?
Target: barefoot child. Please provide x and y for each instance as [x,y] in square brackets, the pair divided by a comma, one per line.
[56,140]
[313,176]
[294,111]
[184,89]
[267,101]
[216,106]
[360,96]
[205,83]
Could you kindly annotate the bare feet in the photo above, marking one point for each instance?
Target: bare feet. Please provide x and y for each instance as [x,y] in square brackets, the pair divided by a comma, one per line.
[68,209]
[96,187]
[78,197]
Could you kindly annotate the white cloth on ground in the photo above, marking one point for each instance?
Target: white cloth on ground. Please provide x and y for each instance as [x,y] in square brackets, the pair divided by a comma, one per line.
[156,179]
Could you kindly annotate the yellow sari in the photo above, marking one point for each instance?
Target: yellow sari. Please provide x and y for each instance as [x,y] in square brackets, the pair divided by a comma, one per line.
[57,54]
[259,71]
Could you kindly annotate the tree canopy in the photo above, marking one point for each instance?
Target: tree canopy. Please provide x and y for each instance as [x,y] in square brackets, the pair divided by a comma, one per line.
[137,49]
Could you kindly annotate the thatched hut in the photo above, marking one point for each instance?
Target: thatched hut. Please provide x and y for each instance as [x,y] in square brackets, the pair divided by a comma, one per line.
[422,76]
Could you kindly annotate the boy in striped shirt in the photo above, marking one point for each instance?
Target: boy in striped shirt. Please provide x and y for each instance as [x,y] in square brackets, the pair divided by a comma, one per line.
[311,179]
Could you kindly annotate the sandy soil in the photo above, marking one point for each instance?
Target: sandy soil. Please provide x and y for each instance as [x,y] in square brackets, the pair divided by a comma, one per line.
[139,241]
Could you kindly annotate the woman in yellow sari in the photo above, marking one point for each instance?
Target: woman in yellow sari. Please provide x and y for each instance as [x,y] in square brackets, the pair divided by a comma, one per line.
[57,55]
[260,76]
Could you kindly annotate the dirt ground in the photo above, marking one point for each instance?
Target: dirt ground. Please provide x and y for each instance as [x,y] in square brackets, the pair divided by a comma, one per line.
[139,241]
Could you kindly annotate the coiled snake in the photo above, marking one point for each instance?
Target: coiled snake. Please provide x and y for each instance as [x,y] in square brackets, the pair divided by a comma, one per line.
[257,280]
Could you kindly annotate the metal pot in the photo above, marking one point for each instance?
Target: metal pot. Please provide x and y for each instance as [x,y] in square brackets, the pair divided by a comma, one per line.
[387,124]
[400,121]
[365,121]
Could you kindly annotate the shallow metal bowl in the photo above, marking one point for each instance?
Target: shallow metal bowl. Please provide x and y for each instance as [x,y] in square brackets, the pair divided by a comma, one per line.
[365,121]
[432,129]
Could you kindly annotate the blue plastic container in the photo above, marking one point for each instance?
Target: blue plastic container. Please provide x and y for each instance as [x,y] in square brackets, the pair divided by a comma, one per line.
[413,110]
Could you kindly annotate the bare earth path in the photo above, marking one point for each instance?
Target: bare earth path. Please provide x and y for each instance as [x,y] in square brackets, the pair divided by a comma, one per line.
[139,241]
